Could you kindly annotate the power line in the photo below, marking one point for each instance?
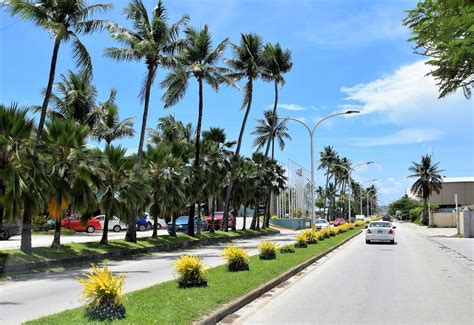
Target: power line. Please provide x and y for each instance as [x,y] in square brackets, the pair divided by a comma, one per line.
[8,26]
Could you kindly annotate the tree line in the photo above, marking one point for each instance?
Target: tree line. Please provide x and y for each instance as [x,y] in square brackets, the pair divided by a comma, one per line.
[50,168]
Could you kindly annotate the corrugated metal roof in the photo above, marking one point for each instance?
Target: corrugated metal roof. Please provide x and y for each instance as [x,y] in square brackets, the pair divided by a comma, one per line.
[458,179]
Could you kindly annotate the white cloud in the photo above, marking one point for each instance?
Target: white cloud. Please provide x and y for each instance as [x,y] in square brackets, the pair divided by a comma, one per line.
[408,98]
[405,136]
[289,107]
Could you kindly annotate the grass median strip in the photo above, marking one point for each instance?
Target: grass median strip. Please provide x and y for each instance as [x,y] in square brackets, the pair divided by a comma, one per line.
[40,254]
[166,303]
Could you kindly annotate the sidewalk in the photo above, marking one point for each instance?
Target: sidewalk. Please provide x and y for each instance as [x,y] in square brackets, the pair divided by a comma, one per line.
[32,296]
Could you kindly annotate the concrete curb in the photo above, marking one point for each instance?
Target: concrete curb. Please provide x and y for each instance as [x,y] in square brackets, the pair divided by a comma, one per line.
[237,304]
[165,247]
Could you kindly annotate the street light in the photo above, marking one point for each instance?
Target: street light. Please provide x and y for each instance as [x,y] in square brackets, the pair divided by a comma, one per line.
[360,196]
[348,170]
[311,136]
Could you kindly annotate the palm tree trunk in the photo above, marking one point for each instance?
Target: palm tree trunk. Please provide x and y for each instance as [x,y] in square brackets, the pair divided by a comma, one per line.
[57,235]
[213,215]
[49,88]
[326,208]
[155,227]
[245,218]
[173,227]
[237,152]
[25,246]
[425,219]
[105,231]
[197,153]
[2,195]
[131,234]
[272,129]
[253,224]
[198,230]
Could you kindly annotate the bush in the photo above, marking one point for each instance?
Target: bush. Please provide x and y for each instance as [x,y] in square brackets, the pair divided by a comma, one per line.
[102,291]
[287,249]
[359,223]
[331,232]
[311,236]
[237,258]
[267,250]
[415,213]
[301,241]
[191,271]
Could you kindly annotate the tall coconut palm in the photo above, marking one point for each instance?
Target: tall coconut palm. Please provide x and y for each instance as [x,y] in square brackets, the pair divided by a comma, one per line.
[428,180]
[108,126]
[265,131]
[65,21]
[247,63]
[276,62]
[326,158]
[71,170]
[197,60]
[74,98]
[154,41]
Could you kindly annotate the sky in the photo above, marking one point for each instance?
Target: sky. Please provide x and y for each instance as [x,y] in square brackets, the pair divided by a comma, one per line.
[346,55]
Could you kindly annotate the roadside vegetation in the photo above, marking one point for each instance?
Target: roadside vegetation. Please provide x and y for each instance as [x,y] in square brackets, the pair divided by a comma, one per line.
[222,286]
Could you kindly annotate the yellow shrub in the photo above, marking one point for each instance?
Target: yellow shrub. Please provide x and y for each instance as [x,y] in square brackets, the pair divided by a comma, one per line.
[191,271]
[331,231]
[311,236]
[102,286]
[301,240]
[237,258]
[287,248]
[267,250]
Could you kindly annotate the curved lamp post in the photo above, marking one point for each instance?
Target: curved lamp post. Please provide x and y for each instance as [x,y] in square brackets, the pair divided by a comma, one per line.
[368,192]
[360,196]
[311,137]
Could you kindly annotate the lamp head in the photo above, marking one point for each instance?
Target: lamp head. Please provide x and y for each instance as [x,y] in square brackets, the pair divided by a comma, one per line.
[352,112]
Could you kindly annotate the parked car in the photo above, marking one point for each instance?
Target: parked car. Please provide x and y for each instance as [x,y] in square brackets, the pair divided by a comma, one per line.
[339,222]
[182,224]
[142,223]
[380,231]
[218,217]
[360,217]
[161,222]
[74,222]
[321,224]
[353,219]
[9,229]
[115,223]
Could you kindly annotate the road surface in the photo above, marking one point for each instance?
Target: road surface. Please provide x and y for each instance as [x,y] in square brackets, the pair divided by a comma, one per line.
[32,296]
[415,281]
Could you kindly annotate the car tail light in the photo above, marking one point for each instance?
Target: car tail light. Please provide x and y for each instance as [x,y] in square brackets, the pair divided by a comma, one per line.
[390,231]
[369,231]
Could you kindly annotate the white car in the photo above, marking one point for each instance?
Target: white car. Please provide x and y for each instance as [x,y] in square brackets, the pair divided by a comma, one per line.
[321,224]
[380,231]
[360,217]
[114,223]
[161,222]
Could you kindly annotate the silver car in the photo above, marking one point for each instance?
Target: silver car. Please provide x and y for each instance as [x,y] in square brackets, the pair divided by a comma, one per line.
[321,224]
[380,231]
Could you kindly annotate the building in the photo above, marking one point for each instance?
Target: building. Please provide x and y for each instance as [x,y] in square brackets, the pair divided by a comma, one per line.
[463,187]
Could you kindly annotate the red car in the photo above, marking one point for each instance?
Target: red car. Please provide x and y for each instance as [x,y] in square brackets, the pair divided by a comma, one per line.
[339,222]
[74,222]
[218,215]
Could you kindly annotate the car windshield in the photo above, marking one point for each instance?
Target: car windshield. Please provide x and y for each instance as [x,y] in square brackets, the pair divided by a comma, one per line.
[380,224]
[218,214]
[321,221]
[182,219]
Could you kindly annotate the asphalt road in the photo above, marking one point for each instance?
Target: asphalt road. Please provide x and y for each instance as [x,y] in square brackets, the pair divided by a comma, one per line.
[415,281]
[44,240]
[32,296]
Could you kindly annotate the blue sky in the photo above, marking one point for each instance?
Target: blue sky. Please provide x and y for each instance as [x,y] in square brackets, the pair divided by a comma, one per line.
[346,54]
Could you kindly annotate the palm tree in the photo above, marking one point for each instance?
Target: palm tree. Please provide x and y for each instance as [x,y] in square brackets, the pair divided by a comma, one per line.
[428,180]
[116,170]
[71,170]
[326,158]
[247,63]
[154,41]
[107,125]
[65,21]
[276,62]
[75,98]
[199,60]
[265,131]
[15,135]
